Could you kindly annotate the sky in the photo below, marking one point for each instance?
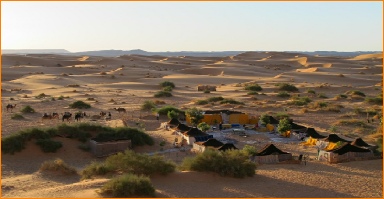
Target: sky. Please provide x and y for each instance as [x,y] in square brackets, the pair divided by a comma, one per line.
[193,26]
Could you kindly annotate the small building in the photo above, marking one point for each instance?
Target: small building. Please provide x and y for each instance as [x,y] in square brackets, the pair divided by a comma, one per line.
[206,88]
[102,149]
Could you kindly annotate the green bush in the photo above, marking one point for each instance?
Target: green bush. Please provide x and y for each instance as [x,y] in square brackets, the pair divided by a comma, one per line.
[129,185]
[148,105]
[253,87]
[215,99]
[355,92]
[207,91]
[252,93]
[173,114]
[342,96]
[264,118]
[287,87]
[57,165]
[284,125]
[231,101]
[195,114]
[201,102]
[203,126]
[249,150]
[311,91]
[17,117]
[137,137]
[48,145]
[60,97]
[281,115]
[95,169]
[165,109]
[321,95]
[375,100]
[233,163]
[167,88]
[27,109]
[79,105]
[163,94]
[283,94]
[167,83]
[300,101]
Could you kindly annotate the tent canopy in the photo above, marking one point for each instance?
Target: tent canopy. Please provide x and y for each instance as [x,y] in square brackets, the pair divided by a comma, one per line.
[360,142]
[270,149]
[347,147]
[194,132]
[334,138]
[174,121]
[226,146]
[272,120]
[182,127]
[311,132]
[212,142]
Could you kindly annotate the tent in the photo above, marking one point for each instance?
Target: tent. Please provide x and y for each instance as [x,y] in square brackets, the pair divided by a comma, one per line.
[227,146]
[194,134]
[212,143]
[272,120]
[334,138]
[311,132]
[297,127]
[173,122]
[271,154]
[344,153]
[360,142]
[182,128]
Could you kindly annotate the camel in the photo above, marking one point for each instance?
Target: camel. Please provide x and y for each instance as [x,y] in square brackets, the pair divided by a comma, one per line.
[102,113]
[66,116]
[120,110]
[10,106]
[50,116]
[78,116]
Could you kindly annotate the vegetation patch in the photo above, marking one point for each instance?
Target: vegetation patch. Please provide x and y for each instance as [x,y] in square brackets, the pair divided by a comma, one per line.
[287,87]
[283,94]
[48,145]
[168,88]
[201,102]
[352,122]
[80,105]
[230,101]
[57,165]
[17,117]
[232,163]
[215,99]
[27,109]
[167,83]
[129,185]
[163,94]
[252,93]
[300,101]
[148,105]
[253,87]
[355,92]
[165,109]
[41,95]
[375,100]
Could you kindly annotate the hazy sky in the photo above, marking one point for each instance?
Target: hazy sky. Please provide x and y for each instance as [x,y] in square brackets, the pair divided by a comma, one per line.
[192,26]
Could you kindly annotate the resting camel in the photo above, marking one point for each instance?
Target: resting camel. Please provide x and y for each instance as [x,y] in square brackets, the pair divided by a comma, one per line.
[10,106]
[50,116]
[120,110]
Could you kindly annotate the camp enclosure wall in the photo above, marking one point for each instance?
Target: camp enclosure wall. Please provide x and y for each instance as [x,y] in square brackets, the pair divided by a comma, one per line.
[271,159]
[101,149]
[330,157]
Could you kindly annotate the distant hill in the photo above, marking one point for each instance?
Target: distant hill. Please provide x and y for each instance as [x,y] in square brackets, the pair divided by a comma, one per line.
[34,51]
[115,53]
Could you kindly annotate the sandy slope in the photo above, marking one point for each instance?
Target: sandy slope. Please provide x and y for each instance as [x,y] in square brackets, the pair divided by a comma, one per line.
[127,81]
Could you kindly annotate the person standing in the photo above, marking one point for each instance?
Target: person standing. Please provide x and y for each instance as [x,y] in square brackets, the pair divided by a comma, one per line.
[157,116]
[221,126]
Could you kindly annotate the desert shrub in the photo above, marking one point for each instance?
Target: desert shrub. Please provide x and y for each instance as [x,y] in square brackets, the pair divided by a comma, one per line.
[73,85]
[321,95]
[207,91]
[374,100]
[60,97]
[203,126]
[13,143]
[27,109]
[230,101]
[41,95]
[173,114]
[300,101]
[165,109]
[195,114]
[11,99]
[137,137]
[215,99]
[79,105]
[232,163]
[201,102]
[333,129]
[311,91]
[148,105]
[249,150]
[48,145]
[17,117]
[352,122]
[167,83]
[287,87]
[95,169]
[318,104]
[355,92]
[129,185]
[53,99]
[163,94]
[283,94]
[84,147]
[253,87]
[284,125]
[252,93]
[333,108]
[281,115]
[264,118]
[167,88]
[57,165]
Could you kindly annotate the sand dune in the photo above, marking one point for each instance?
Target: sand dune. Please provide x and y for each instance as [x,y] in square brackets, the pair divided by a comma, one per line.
[106,84]
[368,56]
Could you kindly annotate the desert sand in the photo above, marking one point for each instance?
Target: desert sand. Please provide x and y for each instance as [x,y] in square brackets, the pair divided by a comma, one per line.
[127,81]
